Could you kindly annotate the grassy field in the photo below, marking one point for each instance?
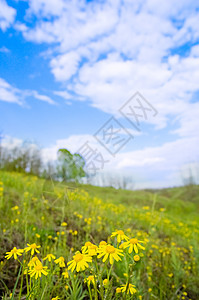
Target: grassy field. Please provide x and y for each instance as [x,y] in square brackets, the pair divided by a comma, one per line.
[97,243]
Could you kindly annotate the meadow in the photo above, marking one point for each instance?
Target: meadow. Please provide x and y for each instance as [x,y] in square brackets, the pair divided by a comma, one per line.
[72,241]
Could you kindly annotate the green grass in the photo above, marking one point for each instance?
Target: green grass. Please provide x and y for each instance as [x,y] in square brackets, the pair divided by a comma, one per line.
[168,219]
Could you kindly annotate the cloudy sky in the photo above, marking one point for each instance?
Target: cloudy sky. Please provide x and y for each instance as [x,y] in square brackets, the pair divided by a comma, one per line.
[68,67]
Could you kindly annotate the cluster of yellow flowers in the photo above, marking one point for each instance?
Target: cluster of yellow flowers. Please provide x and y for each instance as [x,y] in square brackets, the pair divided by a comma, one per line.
[87,259]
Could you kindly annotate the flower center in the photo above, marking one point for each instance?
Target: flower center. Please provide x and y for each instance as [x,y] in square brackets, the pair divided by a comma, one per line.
[134,241]
[120,232]
[90,278]
[38,267]
[33,246]
[78,257]
[14,250]
[110,249]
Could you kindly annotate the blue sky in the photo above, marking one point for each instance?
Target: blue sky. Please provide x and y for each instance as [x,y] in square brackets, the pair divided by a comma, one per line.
[66,67]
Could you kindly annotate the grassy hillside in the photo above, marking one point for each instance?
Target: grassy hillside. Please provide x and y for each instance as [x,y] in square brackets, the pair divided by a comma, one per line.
[62,218]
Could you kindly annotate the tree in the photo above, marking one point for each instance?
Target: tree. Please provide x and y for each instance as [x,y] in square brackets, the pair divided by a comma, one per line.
[70,166]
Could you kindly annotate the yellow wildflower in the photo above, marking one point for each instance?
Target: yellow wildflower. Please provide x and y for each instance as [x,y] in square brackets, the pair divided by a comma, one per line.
[118,290]
[33,261]
[120,235]
[102,244]
[63,224]
[14,252]
[105,282]
[80,262]
[15,207]
[65,274]
[60,261]
[38,269]
[110,252]
[136,257]
[129,287]
[133,244]
[49,257]
[90,279]
[33,247]
[90,249]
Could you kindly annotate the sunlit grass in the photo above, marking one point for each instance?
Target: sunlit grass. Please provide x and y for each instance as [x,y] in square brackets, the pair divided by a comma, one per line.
[63,242]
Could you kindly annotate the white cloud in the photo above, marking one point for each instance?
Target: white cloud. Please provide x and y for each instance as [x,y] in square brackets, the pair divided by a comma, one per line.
[63,94]
[4,50]
[104,51]
[7,15]
[43,97]
[8,93]
[64,66]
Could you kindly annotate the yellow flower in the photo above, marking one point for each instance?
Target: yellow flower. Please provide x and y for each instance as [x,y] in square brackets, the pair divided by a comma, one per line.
[146,207]
[110,252]
[133,244]
[120,235]
[32,261]
[65,274]
[49,257]
[33,247]
[60,261]
[105,282]
[63,224]
[55,298]
[14,252]
[89,249]
[37,235]
[38,269]
[66,287]
[149,290]
[102,244]
[15,207]
[90,279]
[162,209]
[136,257]
[118,290]
[130,289]
[80,262]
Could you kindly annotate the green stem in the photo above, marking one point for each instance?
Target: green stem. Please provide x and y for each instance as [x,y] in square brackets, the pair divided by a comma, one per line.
[44,290]
[21,286]
[27,284]
[89,290]
[109,273]
[13,292]
[99,273]
[34,286]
